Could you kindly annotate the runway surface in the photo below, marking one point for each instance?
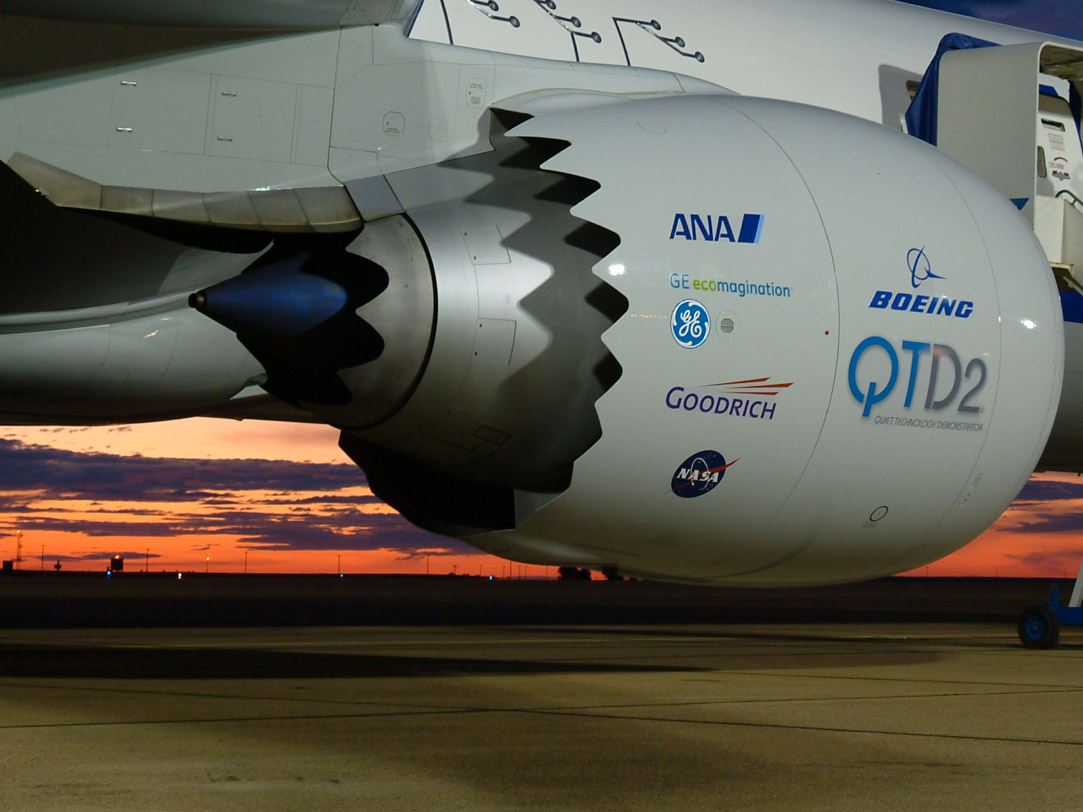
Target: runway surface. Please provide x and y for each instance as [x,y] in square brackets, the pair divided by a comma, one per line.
[542,717]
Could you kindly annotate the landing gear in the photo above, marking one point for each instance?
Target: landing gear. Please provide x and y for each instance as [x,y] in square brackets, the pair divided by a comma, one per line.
[1039,627]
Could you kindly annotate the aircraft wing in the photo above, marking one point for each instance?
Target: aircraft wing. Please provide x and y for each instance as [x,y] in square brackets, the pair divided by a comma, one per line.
[252,14]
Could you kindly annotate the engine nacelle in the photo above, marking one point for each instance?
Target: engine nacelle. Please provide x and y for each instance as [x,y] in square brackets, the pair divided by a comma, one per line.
[709,338]
[885,319]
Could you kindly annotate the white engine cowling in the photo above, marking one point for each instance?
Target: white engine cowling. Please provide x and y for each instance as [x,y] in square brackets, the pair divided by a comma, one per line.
[877,362]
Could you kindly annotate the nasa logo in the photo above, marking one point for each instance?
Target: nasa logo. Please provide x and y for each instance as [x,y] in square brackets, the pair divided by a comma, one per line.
[878,391]
[921,270]
[716,228]
[699,474]
[690,323]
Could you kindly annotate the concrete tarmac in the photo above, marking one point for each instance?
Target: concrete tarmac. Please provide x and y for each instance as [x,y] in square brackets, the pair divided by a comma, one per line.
[854,716]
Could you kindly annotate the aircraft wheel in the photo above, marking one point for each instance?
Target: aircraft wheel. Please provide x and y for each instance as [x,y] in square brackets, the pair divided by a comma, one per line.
[1039,627]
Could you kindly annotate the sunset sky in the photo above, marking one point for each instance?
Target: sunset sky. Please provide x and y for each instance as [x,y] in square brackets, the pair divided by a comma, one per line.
[283,493]
[289,498]
[199,494]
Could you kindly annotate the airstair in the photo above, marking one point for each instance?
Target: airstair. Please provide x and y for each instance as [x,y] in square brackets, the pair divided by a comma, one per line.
[1012,113]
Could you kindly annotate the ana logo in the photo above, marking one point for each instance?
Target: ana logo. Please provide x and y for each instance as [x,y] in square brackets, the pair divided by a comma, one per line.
[716,228]
[920,271]
[699,474]
[920,267]
[939,393]
[690,323]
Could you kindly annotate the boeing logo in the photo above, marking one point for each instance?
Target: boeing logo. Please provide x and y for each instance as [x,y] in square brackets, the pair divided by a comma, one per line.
[920,267]
[920,271]
[699,474]
[933,305]
[716,228]
[939,393]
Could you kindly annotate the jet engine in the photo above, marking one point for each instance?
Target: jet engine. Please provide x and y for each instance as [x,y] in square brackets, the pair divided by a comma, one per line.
[708,338]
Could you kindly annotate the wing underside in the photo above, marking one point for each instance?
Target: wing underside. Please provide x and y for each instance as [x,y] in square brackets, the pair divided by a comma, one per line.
[253,14]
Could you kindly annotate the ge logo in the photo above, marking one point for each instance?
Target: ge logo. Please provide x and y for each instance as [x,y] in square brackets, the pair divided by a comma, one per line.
[690,323]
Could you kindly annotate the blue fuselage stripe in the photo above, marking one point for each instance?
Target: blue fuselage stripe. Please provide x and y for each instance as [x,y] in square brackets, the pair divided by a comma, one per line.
[1071,303]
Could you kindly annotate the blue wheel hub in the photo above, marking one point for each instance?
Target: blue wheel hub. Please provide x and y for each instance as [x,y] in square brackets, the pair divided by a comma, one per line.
[1036,628]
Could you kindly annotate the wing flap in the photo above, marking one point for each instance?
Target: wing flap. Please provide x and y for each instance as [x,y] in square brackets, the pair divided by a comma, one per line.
[250,14]
[324,209]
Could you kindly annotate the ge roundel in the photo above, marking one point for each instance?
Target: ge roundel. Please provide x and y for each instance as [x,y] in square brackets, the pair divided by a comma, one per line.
[690,323]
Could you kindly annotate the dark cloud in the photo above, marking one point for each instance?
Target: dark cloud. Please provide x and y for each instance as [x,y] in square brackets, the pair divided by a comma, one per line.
[266,504]
[130,556]
[165,528]
[1048,490]
[256,529]
[1049,523]
[112,477]
[1065,560]
[325,500]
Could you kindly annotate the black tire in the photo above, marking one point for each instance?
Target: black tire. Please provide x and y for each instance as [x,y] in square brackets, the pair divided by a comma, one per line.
[1039,627]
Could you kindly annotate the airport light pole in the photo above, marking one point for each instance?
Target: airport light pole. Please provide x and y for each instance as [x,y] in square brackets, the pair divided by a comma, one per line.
[18,547]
